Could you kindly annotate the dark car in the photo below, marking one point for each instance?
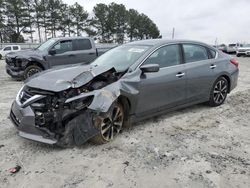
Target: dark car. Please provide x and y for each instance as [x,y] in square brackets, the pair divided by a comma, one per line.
[127,84]
[54,52]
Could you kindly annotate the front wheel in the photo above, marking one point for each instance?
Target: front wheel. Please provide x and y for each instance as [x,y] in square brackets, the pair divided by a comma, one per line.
[219,91]
[31,70]
[109,125]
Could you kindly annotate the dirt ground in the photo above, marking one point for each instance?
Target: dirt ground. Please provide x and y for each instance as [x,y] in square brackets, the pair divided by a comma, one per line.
[195,147]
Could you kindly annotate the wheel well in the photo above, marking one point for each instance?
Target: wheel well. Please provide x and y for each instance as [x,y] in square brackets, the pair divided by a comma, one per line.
[126,104]
[229,82]
[35,63]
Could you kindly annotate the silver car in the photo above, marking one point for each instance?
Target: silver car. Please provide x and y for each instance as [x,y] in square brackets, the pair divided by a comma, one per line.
[243,51]
[126,84]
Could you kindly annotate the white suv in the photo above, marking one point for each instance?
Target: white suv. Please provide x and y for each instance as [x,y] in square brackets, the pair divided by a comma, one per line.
[8,49]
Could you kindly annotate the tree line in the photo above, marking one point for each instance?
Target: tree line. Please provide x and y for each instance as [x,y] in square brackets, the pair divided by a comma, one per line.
[53,18]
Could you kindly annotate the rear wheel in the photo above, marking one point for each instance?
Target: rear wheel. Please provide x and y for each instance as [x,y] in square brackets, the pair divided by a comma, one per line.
[219,92]
[31,70]
[238,55]
[109,125]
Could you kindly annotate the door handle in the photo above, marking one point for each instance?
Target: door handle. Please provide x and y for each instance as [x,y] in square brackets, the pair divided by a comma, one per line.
[180,74]
[71,55]
[213,66]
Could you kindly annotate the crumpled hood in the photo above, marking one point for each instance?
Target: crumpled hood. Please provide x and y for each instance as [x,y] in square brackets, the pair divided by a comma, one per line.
[59,79]
[26,54]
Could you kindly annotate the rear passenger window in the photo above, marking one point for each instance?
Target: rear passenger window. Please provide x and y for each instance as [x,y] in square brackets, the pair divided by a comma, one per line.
[194,53]
[82,44]
[15,47]
[165,57]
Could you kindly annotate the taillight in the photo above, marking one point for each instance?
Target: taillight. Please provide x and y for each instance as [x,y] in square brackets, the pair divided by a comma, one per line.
[235,62]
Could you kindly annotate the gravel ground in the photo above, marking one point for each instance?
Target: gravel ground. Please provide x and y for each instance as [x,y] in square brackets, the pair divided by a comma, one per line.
[195,147]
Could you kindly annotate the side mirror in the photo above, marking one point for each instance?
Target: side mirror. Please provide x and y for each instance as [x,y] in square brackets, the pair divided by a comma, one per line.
[150,68]
[52,51]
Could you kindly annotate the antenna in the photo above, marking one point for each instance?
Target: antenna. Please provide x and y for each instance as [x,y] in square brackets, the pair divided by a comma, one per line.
[173,32]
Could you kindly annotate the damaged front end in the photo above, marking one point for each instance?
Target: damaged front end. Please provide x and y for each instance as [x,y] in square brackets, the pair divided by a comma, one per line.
[15,67]
[63,117]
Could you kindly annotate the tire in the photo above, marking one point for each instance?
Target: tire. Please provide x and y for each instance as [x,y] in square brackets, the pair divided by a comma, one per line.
[238,55]
[31,70]
[109,125]
[1,56]
[218,93]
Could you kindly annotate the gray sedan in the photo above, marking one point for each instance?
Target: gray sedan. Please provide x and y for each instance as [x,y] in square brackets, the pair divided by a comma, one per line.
[68,106]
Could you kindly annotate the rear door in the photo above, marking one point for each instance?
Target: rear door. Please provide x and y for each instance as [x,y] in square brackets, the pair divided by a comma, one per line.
[200,71]
[84,50]
[166,88]
[15,48]
[64,54]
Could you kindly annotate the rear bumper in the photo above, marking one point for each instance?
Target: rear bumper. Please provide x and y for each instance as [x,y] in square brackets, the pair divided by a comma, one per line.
[14,72]
[24,121]
[234,79]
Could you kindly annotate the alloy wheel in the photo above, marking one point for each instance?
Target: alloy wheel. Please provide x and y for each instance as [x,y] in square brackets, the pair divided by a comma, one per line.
[32,72]
[220,91]
[111,125]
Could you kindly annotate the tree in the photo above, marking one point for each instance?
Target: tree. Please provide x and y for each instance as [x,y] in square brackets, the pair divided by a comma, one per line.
[101,21]
[132,23]
[53,16]
[80,17]
[66,22]
[38,9]
[2,24]
[147,28]
[15,12]
[114,22]
[29,17]
[43,9]
[117,21]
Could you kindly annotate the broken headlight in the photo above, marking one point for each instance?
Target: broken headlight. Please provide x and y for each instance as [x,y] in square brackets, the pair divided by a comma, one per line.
[74,92]
[20,94]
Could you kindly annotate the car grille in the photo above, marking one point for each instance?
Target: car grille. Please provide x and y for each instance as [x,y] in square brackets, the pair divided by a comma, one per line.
[10,61]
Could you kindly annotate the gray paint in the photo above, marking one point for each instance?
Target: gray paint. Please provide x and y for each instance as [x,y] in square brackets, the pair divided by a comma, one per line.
[148,94]
[47,61]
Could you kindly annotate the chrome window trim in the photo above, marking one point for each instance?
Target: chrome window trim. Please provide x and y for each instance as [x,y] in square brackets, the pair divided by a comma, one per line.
[178,43]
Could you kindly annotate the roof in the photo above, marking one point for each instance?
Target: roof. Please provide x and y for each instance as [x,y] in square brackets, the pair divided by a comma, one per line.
[70,38]
[156,42]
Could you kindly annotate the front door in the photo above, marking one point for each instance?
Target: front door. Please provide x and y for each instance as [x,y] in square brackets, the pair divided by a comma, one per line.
[166,88]
[64,54]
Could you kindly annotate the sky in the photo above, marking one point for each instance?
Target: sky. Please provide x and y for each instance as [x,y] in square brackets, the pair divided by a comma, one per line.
[227,21]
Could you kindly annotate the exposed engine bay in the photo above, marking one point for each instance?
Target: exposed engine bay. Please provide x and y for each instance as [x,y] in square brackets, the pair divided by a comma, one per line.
[57,113]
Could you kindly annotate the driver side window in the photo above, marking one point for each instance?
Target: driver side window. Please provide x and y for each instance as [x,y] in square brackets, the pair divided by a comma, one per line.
[63,46]
[165,57]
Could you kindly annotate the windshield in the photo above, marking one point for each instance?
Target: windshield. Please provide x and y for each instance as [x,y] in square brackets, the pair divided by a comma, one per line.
[232,45]
[44,46]
[121,58]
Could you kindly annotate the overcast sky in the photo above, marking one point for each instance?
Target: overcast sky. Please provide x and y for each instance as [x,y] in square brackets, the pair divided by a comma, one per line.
[226,20]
